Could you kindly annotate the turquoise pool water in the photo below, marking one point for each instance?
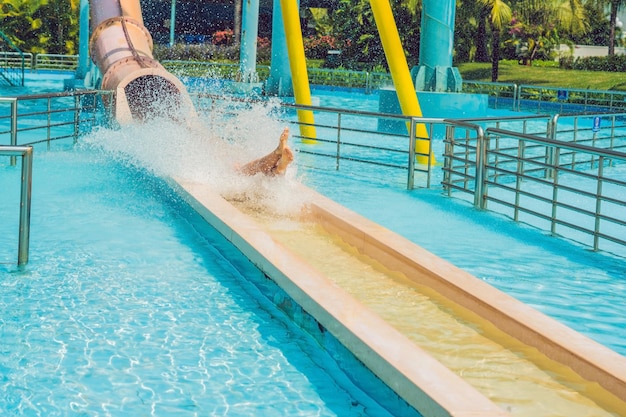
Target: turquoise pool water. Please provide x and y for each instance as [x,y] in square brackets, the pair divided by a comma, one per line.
[129,306]
[583,289]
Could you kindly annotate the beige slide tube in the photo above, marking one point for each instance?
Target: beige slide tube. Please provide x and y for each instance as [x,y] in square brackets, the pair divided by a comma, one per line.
[121,47]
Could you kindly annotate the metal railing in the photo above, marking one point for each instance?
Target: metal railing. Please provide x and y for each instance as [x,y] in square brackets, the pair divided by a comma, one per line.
[33,119]
[367,81]
[570,100]
[345,139]
[12,64]
[26,152]
[44,118]
[482,156]
[214,70]
[55,62]
[602,130]
[570,189]
[16,60]
[501,95]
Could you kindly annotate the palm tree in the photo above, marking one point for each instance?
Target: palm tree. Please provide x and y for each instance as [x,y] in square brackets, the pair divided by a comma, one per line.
[546,21]
[237,20]
[615,5]
[499,14]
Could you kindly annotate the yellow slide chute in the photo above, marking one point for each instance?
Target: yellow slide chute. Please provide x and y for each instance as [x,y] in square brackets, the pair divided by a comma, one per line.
[400,73]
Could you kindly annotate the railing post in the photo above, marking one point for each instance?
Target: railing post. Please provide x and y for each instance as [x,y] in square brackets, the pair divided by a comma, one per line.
[49,128]
[13,128]
[481,156]
[338,142]
[550,154]
[76,117]
[25,197]
[410,183]
[448,157]
[596,228]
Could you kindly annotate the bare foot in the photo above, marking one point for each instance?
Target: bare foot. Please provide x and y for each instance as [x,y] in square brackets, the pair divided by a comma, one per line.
[274,163]
[282,141]
[284,161]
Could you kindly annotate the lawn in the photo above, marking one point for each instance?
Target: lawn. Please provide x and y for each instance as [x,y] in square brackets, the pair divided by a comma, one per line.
[512,72]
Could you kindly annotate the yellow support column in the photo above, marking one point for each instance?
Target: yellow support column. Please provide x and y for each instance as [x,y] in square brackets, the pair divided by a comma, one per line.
[400,73]
[297,64]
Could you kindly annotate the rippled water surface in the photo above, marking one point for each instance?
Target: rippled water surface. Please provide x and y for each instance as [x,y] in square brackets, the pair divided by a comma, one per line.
[125,309]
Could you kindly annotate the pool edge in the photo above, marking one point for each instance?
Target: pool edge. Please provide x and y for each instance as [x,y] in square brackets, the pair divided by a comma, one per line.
[590,359]
[397,361]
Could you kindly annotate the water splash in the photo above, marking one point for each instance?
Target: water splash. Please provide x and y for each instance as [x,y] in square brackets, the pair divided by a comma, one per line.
[208,150]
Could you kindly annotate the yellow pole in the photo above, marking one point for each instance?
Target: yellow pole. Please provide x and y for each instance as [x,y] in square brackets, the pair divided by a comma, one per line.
[297,64]
[400,73]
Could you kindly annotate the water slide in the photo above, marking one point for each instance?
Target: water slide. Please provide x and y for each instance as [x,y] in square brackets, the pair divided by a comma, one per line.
[121,47]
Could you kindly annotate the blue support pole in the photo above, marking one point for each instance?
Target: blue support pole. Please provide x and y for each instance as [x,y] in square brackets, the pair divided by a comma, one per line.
[249,34]
[435,71]
[279,82]
[83,40]
[172,23]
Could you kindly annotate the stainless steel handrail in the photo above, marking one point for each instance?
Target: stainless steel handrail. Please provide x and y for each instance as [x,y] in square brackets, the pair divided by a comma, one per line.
[534,175]
[26,152]
[340,130]
[43,117]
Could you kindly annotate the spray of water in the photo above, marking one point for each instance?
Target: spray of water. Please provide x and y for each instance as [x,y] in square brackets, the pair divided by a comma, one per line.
[208,150]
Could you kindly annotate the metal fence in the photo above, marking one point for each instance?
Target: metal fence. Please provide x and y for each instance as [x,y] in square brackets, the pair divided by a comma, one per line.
[44,118]
[509,96]
[566,187]
[348,140]
[363,80]
[554,100]
[12,67]
[562,173]
[55,62]
[37,62]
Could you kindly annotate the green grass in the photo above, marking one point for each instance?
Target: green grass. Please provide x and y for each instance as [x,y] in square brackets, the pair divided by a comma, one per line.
[512,72]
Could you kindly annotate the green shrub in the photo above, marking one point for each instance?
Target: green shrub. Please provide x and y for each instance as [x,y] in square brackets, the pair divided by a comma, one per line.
[612,63]
[209,52]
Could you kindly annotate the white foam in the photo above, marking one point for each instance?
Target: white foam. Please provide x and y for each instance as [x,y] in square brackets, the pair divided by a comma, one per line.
[208,151]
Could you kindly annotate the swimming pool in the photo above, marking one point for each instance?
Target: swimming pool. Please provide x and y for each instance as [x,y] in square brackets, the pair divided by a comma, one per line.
[580,288]
[130,306]
[458,221]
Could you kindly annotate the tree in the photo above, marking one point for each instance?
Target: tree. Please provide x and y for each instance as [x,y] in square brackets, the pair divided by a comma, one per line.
[19,22]
[499,14]
[615,6]
[44,26]
[237,20]
[408,14]
[599,26]
[353,25]
[539,26]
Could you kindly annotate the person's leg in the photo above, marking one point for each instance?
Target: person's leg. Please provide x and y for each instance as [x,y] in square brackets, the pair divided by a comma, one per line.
[274,163]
